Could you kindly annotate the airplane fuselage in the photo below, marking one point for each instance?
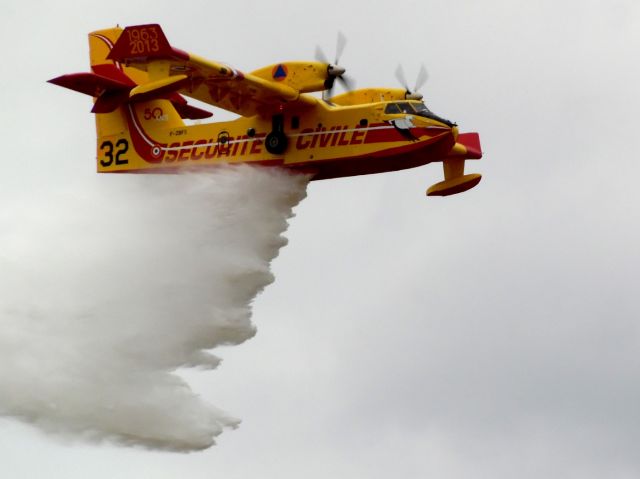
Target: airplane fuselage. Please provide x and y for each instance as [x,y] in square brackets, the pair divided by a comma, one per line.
[330,142]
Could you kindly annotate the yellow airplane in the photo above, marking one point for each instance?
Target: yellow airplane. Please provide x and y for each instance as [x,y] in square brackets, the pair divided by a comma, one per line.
[139,81]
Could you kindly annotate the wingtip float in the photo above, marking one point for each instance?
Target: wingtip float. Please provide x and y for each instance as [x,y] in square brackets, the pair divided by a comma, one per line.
[139,83]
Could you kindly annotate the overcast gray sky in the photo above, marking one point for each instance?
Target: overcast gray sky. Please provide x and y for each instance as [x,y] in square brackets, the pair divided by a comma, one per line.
[490,334]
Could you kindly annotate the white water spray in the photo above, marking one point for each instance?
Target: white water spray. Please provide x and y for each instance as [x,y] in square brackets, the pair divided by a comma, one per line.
[105,293]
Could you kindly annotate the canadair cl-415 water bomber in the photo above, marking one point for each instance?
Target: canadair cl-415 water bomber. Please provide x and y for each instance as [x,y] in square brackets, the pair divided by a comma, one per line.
[140,82]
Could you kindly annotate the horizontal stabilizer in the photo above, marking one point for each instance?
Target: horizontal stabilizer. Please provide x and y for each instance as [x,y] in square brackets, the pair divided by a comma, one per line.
[157,88]
[112,88]
[89,83]
[109,70]
[187,111]
[109,101]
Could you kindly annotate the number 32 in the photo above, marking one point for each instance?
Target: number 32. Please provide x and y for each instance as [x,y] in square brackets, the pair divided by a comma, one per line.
[107,147]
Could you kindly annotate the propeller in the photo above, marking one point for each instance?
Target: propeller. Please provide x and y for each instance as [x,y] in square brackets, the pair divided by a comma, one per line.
[420,81]
[334,70]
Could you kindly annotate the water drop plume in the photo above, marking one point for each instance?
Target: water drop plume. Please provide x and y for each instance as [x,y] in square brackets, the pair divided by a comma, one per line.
[108,288]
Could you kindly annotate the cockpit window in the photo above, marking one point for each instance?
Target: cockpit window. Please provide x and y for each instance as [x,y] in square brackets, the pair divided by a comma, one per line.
[414,108]
[400,107]
[406,108]
[421,108]
[392,109]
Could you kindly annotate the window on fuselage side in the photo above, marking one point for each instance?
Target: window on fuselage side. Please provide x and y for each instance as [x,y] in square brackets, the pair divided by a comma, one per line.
[392,109]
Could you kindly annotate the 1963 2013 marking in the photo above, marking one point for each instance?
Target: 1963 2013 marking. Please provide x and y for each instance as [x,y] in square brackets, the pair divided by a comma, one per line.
[113,154]
[143,40]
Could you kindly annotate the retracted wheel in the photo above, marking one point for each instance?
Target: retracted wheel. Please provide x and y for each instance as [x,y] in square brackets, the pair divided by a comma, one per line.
[276,142]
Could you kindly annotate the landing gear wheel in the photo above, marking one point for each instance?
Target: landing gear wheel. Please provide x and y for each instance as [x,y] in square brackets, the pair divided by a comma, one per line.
[276,142]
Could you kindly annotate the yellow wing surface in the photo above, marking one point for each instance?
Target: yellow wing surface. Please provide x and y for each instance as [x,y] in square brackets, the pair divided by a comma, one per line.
[145,47]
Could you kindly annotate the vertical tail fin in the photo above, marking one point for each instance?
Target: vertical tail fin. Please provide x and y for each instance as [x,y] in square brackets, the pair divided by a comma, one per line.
[101,43]
[137,108]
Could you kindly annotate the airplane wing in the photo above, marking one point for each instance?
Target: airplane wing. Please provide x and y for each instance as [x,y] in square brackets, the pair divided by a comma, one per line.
[146,47]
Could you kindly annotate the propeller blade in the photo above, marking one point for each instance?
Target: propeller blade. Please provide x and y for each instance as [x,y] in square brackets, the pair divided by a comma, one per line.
[402,79]
[341,43]
[320,56]
[347,82]
[422,78]
[334,70]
